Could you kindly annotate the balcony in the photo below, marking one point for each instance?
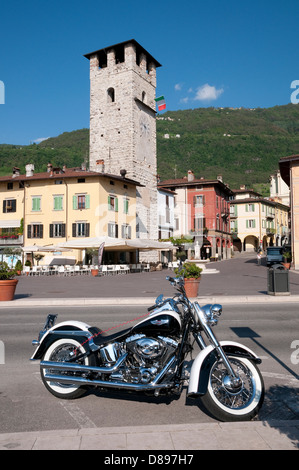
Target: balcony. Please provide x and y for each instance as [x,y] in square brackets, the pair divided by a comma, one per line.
[11,240]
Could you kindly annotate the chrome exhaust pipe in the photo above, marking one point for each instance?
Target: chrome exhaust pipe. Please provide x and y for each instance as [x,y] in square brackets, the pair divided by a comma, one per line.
[65,379]
[75,367]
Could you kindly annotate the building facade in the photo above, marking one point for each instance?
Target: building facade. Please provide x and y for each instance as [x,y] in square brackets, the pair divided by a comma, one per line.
[202,211]
[289,170]
[257,221]
[62,204]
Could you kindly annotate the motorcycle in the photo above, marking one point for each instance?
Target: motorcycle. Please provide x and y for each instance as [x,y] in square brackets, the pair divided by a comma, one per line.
[150,356]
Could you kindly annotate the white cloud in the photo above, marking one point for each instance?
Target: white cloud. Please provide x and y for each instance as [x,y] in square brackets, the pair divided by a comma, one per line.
[178,86]
[184,100]
[208,93]
[41,139]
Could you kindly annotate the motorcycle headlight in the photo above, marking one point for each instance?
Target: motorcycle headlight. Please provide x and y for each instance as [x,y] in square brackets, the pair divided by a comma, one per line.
[212,313]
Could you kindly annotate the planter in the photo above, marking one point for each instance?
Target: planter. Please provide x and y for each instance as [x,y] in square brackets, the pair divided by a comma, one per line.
[7,289]
[94,272]
[286,265]
[191,287]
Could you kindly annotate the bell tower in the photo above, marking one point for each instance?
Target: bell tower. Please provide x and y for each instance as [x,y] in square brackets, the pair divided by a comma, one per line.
[123,123]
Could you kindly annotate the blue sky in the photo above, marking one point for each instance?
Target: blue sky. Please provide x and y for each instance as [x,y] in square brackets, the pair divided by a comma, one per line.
[233,53]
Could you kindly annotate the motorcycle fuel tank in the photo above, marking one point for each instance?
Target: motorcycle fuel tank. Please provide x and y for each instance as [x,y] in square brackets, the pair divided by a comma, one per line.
[161,323]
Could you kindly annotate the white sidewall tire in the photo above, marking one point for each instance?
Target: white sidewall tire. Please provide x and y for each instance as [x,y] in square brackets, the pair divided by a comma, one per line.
[250,410]
[62,389]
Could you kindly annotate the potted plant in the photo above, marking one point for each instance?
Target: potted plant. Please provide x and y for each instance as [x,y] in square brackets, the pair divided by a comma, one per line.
[19,267]
[7,282]
[287,258]
[192,274]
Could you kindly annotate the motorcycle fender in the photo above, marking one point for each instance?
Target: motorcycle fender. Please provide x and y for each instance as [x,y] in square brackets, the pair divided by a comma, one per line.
[200,370]
[68,329]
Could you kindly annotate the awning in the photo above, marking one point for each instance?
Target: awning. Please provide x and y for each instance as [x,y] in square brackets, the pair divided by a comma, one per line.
[10,223]
[119,244]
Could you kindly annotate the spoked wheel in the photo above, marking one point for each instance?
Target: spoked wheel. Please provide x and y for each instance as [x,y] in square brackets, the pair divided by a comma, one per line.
[61,351]
[238,400]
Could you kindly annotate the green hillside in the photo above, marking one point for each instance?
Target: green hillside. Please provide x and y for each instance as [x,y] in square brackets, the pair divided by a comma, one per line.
[242,145]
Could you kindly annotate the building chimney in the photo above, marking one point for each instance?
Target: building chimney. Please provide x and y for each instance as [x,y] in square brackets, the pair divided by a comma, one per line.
[123,173]
[49,167]
[15,172]
[29,169]
[219,178]
[100,166]
[190,175]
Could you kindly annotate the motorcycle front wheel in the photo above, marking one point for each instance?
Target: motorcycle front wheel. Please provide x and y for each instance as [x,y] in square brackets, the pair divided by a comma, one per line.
[234,403]
[61,351]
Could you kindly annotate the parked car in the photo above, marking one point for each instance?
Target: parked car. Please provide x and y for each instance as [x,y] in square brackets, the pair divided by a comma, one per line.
[274,255]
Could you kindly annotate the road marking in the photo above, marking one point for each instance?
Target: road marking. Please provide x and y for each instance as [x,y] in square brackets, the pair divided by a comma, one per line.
[77,414]
[289,379]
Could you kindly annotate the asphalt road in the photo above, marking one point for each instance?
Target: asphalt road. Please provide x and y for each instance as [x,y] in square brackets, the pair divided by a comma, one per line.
[25,404]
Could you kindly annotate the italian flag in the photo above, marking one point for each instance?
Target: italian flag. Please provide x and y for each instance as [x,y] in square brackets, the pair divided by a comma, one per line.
[161,103]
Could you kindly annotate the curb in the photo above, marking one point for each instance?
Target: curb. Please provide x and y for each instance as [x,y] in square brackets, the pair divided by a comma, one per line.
[79,302]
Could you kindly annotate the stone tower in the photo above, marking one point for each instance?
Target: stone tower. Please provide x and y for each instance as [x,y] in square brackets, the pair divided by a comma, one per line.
[123,123]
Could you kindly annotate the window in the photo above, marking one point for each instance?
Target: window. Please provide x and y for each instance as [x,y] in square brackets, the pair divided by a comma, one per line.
[9,185]
[113,203]
[81,201]
[126,231]
[35,231]
[199,223]
[36,203]
[198,200]
[57,230]
[58,203]
[9,205]
[249,207]
[112,230]
[250,223]
[110,95]
[81,229]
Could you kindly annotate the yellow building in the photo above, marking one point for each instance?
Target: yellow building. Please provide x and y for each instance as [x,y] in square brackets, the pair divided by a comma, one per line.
[64,204]
[257,221]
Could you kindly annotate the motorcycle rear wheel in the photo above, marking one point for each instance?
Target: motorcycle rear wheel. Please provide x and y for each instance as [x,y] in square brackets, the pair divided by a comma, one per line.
[234,404]
[60,351]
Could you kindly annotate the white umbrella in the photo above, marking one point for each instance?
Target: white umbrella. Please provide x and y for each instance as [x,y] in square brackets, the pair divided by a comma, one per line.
[30,248]
[51,248]
[93,242]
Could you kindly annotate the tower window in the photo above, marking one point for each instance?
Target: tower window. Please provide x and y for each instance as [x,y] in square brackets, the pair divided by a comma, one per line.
[143,97]
[110,95]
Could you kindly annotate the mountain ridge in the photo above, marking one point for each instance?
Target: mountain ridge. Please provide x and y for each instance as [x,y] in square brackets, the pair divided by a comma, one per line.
[242,145]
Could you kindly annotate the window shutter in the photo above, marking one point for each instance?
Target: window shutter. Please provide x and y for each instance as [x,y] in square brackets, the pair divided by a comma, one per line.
[74,230]
[75,202]
[51,226]
[246,223]
[129,231]
[246,208]
[41,231]
[87,230]
[116,204]
[63,230]
[109,203]
[29,231]
[116,231]
[87,201]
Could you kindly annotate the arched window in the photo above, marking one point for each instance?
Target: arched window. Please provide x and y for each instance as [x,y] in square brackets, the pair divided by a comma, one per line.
[110,95]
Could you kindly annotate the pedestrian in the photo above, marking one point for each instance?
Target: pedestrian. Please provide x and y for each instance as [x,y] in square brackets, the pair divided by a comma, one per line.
[259,257]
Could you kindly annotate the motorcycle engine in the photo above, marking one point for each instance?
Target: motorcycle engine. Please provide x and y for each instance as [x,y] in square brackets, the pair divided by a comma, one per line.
[146,357]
